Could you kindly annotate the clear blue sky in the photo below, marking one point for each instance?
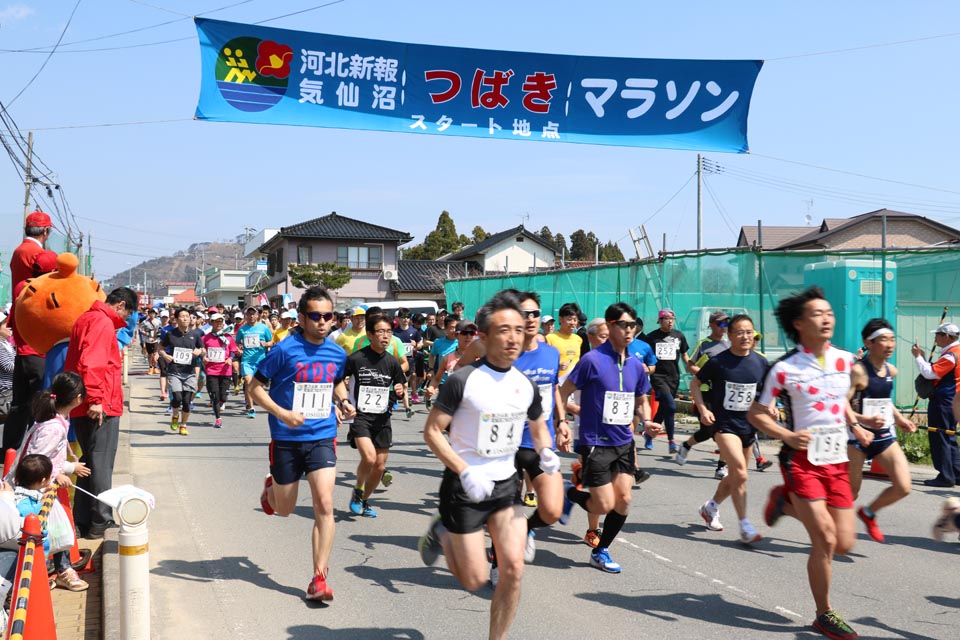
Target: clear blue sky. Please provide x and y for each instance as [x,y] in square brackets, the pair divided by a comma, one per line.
[148,190]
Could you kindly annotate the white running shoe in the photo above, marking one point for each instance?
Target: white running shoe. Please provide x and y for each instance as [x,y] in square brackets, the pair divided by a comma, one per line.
[681,457]
[749,535]
[721,472]
[530,550]
[711,517]
[947,522]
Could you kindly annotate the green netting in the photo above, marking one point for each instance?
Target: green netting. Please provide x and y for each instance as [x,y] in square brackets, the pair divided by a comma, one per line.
[908,288]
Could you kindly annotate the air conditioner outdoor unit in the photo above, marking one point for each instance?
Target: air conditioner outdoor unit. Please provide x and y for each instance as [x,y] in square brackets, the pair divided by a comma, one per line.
[390,274]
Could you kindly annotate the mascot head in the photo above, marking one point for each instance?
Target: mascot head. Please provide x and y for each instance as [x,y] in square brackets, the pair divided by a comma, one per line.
[49,305]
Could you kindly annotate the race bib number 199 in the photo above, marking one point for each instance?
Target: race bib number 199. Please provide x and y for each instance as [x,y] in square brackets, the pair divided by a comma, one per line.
[618,407]
[499,434]
[313,400]
[828,446]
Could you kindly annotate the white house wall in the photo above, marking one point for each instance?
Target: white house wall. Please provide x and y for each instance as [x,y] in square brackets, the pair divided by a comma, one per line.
[518,256]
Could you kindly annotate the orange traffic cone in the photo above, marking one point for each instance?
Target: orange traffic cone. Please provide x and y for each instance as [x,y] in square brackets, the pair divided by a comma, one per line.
[35,620]
[876,471]
[80,559]
[9,457]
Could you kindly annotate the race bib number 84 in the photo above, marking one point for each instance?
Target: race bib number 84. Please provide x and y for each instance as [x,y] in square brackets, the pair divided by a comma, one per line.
[313,400]
[828,446]
[499,434]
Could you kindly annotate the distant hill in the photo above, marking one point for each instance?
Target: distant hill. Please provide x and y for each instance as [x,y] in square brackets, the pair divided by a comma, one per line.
[182,266]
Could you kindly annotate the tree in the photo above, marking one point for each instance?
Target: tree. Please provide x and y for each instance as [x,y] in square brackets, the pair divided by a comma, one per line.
[442,240]
[610,252]
[583,245]
[328,275]
[561,243]
[479,235]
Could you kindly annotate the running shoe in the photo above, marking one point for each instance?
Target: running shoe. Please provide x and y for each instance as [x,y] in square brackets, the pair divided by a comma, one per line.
[681,457]
[174,425]
[530,549]
[192,407]
[409,413]
[318,589]
[387,478]
[183,430]
[168,410]
[749,535]
[640,476]
[775,502]
[368,511]
[832,625]
[530,500]
[567,504]
[577,472]
[218,423]
[251,413]
[711,517]
[600,558]
[415,399]
[356,502]
[947,522]
[592,538]
[429,545]
[264,501]
[871,523]
[721,472]
[763,464]
[647,442]
[672,447]
[494,576]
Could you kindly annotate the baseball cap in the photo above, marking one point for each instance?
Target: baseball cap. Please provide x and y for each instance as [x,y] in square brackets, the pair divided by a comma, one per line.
[359,310]
[948,328]
[38,219]
[237,315]
[667,313]
[252,308]
[45,262]
[274,313]
[216,316]
[718,316]
[465,325]
[164,314]
[289,315]
[546,319]
[212,310]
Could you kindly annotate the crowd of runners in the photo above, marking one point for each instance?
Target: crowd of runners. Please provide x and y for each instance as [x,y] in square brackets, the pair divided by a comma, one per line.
[507,393]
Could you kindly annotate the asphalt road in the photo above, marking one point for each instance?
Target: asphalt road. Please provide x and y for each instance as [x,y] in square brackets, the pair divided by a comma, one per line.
[222,569]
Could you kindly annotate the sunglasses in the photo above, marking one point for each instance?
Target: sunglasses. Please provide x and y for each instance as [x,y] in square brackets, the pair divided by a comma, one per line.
[625,324]
[723,324]
[468,332]
[531,313]
[316,316]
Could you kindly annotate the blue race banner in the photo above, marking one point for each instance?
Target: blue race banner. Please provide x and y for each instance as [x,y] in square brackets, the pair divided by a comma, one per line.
[276,76]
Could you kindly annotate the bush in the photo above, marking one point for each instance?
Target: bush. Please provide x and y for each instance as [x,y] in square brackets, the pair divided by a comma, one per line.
[916,446]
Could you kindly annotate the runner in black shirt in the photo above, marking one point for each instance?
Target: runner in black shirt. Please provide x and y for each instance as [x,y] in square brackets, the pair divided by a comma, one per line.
[180,347]
[670,346]
[379,381]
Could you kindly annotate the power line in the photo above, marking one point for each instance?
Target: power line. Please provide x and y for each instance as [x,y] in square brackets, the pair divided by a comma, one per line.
[723,214]
[866,46]
[158,8]
[112,124]
[47,59]
[296,13]
[664,205]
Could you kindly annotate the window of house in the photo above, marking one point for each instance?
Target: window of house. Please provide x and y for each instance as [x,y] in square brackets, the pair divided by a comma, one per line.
[275,262]
[304,254]
[360,257]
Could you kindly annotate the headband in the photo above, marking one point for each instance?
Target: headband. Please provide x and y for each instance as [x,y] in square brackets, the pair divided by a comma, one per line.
[882,331]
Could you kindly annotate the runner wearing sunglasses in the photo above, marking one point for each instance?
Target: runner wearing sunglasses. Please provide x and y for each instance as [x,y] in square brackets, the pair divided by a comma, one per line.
[305,373]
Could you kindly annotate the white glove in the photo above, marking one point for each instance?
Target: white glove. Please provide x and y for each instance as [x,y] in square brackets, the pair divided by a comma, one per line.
[549,461]
[476,484]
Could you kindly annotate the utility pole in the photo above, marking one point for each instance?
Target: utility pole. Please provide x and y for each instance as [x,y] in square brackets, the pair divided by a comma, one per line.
[699,202]
[28,178]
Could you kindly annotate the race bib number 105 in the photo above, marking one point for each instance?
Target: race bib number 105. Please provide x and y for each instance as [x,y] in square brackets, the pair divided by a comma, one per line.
[313,400]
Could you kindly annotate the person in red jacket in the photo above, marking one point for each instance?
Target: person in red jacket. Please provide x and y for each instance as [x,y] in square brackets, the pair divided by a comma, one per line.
[93,353]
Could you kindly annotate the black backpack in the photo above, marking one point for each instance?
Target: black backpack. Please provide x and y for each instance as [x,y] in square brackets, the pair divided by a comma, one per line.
[924,387]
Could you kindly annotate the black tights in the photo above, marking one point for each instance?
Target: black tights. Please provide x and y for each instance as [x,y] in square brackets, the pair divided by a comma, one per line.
[217,388]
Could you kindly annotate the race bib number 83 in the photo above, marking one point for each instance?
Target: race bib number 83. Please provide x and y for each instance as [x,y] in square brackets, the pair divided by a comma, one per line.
[618,407]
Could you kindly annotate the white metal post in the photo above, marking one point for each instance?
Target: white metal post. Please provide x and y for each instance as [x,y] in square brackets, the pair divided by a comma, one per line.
[134,569]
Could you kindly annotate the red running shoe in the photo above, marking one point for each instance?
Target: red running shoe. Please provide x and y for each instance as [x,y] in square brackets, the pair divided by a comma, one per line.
[872,529]
[264,502]
[318,589]
[774,509]
[577,470]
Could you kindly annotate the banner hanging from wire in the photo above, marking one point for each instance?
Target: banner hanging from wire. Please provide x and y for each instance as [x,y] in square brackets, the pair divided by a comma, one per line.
[263,75]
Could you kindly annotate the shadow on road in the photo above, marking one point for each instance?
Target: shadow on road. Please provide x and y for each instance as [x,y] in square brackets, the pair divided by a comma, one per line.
[906,635]
[712,608]
[312,632]
[229,568]
[921,542]
[944,601]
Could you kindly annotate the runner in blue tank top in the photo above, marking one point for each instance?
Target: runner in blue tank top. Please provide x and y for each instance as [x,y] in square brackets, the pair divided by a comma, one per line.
[872,402]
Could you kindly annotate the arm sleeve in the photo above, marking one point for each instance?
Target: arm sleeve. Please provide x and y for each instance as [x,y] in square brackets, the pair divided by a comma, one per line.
[451,393]
[535,410]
